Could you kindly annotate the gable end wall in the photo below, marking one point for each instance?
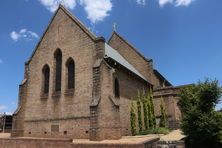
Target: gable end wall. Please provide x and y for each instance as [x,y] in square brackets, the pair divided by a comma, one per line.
[144,66]
[70,112]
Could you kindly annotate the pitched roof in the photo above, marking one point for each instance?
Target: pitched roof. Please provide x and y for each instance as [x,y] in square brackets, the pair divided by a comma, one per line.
[74,19]
[159,75]
[156,72]
[116,56]
[125,41]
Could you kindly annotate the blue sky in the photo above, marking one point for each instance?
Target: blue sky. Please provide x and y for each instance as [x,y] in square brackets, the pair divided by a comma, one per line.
[183,37]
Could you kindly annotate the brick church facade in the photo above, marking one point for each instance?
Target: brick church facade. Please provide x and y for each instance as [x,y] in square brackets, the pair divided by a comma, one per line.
[77,85]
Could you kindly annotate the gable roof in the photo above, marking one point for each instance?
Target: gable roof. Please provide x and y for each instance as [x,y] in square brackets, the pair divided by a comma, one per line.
[160,76]
[74,19]
[125,41]
[116,56]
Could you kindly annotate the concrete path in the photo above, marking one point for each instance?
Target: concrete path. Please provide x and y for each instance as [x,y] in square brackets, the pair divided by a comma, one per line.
[123,140]
[175,135]
[5,135]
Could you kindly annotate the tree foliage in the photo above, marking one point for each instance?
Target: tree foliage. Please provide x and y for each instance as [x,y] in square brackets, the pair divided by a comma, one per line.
[133,119]
[139,113]
[149,112]
[153,117]
[200,122]
[163,118]
[145,112]
[144,103]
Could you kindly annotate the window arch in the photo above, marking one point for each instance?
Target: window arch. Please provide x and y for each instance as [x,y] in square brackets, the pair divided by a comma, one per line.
[116,88]
[70,66]
[58,69]
[46,77]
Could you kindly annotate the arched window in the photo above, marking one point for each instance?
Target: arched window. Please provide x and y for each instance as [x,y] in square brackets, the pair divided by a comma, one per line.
[58,70]
[116,88]
[46,75]
[70,65]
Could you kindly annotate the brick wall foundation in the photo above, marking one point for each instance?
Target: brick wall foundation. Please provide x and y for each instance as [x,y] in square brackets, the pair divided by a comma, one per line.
[67,143]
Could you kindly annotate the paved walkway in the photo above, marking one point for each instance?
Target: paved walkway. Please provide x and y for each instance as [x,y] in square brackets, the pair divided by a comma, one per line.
[175,135]
[123,140]
[5,135]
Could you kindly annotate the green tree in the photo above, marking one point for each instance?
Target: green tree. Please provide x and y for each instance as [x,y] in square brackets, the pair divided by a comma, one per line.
[139,113]
[163,118]
[200,122]
[152,109]
[149,111]
[145,112]
[133,119]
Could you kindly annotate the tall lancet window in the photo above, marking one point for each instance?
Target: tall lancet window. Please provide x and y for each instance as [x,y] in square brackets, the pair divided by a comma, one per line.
[46,76]
[116,88]
[70,65]
[58,70]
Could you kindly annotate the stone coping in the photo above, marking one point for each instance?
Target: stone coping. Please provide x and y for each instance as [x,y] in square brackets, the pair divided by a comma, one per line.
[37,139]
[127,140]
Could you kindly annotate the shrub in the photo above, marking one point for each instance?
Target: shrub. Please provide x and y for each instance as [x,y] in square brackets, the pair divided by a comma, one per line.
[133,119]
[200,122]
[159,130]
[145,113]
[163,118]
[139,114]
[152,109]
[150,115]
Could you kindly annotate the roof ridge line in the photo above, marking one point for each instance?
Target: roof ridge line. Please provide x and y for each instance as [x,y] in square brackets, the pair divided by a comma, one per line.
[157,71]
[126,65]
[81,25]
[135,49]
[69,14]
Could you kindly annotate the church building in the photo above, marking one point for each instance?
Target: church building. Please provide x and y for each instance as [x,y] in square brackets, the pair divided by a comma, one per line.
[80,86]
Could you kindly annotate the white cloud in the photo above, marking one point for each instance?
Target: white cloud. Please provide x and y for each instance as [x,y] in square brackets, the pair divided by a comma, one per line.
[164,2]
[141,2]
[175,2]
[183,2]
[14,35]
[52,5]
[23,34]
[96,10]
[1,61]
[2,107]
